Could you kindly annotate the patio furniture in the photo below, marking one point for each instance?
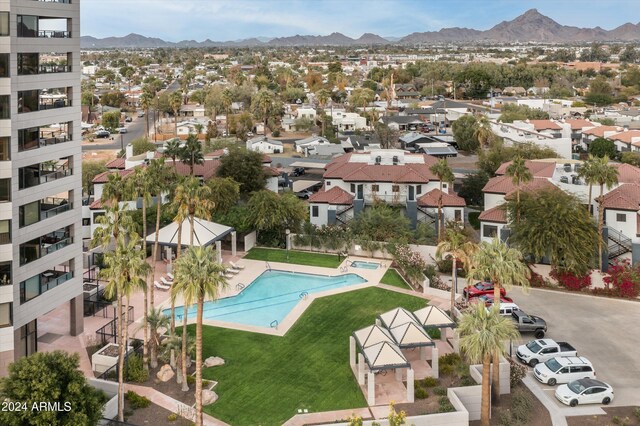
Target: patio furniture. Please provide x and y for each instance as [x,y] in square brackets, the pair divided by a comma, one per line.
[233,265]
[231,271]
[170,275]
[165,282]
[160,286]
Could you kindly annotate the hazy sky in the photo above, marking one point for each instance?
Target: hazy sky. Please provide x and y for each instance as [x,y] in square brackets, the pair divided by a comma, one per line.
[222,20]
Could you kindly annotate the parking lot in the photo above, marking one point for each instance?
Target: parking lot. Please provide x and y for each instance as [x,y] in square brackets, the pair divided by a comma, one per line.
[603,330]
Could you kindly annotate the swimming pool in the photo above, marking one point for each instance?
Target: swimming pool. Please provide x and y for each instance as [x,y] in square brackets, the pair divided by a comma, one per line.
[365,265]
[269,298]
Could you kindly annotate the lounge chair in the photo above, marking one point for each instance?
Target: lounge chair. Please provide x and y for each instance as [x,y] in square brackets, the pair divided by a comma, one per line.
[170,275]
[232,269]
[226,275]
[165,282]
[160,286]
[233,265]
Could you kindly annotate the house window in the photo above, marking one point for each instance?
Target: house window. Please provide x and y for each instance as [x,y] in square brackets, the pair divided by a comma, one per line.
[353,188]
[5,190]
[395,188]
[314,211]
[5,315]
[5,107]
[29,214]
[4,65]
[28,63]
[28,101]
[444,186]
[86,221]
[457,215]
[375,188]
[621,217]
[5,149]
[418,189]
[5,232]
[328,183]
[5,273]
[97,215]
[489,231]
[4,24]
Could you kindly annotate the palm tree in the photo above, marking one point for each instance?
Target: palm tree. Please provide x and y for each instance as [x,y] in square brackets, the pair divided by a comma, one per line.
[456,243]
[504,266]
[199,276]
[520,174]
[227,101]
[483,333]
[156,321]
[604,174]
[146,99]
[263,103]
[173,150]
[191,153]
[323,96]
[444,173]
[483,132]
[587,172]
[175,102]
[174,344]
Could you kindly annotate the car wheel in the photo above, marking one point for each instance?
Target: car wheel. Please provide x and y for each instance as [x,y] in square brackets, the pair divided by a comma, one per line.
[552,382]
[606,400]
[533,363]
[539,334]
[573,403]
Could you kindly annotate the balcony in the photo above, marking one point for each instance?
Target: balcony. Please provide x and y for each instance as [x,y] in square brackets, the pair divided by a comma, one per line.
[30,26]
[41,283]
[51,207]
[37,248]
[40,137]
[37,174]
[44,63]
[42,100]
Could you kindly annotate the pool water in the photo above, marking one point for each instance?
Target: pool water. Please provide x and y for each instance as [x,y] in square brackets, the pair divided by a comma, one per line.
[365,265]
[269,298]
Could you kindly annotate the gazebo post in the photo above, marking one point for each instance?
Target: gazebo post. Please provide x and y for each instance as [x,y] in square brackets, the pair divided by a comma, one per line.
[423,353]
[434,362]
[219,250]
[410,389]
[399,374]
[378,322]
[233,243]
[443,334]
[371,388]
[352,351]
[456,341]
[360,369]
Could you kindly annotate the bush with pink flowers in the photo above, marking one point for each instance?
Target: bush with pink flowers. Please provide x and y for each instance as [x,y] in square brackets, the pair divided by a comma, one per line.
[623,280]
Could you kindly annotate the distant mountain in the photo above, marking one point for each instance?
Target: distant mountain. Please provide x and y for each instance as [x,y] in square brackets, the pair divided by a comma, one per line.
[530,26]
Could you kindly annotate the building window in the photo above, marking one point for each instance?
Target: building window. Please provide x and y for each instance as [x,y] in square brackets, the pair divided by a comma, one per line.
[353,188]
[86,221]
[621,217]
[457,215]
[4,24]
[395,188]
[489,231]
[4,65]
[444,186]
[6,315]
[419,189]
[5,190]
[97,215]
[5,232]
[30,251]
[29,213]
[28,138]
[27,26]
[375,188]
[328,183]
[5,107]
[28,63]
[28,101]
[5,273]
[314,211]
[30,289]
[5,149]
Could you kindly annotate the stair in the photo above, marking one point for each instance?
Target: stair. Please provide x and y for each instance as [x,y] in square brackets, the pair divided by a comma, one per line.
[617,244]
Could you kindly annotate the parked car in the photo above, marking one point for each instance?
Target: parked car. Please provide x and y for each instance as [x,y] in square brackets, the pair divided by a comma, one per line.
[481,288]
[541,350]
[102,134]
[585,391]
[298,171]
[488,300]
[529,323]
[122,130]
[506,305]
[304,194]
[564,369]
[140,114]
[128,119]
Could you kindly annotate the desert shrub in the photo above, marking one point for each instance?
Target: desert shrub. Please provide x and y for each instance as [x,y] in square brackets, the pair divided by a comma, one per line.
[191,380]
[172,417]
[518,371]
[434,333]
[521,406]
[134,371]
[421,393]
[445,405]
[429,382]
[636,413]
[440,391]
[467,381]
[137,401]
[571,281]
[445,265]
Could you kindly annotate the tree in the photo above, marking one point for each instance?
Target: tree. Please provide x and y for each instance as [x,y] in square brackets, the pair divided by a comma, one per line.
[173,149]
[191,152]
[175,102]
[225,193]
[471,188]
[245,167]
[270,212]
[146,99]
[457,244]
[520,174]
[464,133]
[198,276]
[261,106]
[604,174]
[600,92]
[513,112]
[601,147]
[444,174]
[142,145]
[505,268]
[387,136]
[227,101]
[555,225]
[91,169]
[483,133]
[53,377]
[113,99]
[632,158]
[489,160]
[111,119]
[381,222]
[483,333]
[323,96]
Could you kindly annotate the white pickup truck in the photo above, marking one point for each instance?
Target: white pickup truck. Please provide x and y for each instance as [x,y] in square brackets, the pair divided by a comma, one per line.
[541,350]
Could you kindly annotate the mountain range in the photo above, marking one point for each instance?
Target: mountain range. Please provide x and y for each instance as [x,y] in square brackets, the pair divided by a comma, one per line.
[532,26]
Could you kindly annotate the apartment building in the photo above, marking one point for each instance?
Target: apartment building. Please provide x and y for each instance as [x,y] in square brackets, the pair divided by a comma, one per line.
[40,170]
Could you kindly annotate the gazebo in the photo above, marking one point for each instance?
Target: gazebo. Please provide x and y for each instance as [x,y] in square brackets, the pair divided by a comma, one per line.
[205,234]
[434,317]
[395,317]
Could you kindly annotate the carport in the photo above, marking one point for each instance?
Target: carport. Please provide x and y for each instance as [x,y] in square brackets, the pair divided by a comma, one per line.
[308,165]
[301,185]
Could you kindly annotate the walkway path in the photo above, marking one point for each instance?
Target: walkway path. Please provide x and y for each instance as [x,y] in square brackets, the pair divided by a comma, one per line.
[327,417]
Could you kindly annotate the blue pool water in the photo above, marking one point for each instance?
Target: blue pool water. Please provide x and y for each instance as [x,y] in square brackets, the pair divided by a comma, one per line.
[270,297]
[365,265]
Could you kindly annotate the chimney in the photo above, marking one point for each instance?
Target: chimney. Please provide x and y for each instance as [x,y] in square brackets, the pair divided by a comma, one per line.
[128,151]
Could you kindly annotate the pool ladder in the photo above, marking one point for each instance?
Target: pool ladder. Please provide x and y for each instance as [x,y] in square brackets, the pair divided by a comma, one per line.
[304,295]
[239,286]
[274,324]
[268,266]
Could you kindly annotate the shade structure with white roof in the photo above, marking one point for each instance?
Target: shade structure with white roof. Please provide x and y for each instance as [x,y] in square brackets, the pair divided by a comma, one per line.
[396,317]
[384,356]
[372,335]
[410,335]
[433,317]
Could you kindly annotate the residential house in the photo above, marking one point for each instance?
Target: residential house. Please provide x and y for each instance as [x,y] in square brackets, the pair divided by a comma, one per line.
[361,143]
[348,121]
[589,135]
[627,140]
[517,91]
[539,132]
[405,91]
[402,123]
[265,145]
[305,111]
[192,110]
[575,128]
[308,145]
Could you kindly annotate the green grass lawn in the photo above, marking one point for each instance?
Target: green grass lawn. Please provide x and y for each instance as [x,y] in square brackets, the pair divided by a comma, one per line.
[267,378]
[297,257]
[392,277]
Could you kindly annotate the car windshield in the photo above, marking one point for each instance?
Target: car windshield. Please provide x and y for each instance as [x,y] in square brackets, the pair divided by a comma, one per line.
[534,347]
[479,286]
[576,386]
[553,365]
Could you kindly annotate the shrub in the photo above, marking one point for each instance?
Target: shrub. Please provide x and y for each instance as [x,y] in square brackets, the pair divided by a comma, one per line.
[506,419]
[191,380]
[521,406]
[445,405]
[137,401]
[518,371]
[134,371]
[440,391]
[445,265]
[447,363]
[536,280]
[623,279]
[420,393]
[430,382]
[636,413]
[571,281]
[467,381]
[434,333]
[172,417]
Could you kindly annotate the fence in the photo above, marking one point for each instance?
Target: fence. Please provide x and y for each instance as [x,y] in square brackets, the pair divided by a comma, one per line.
[109,332]
[111,374]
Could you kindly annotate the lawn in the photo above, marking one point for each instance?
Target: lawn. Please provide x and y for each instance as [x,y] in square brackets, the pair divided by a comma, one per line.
[392,277]
[267,378]
[297,257]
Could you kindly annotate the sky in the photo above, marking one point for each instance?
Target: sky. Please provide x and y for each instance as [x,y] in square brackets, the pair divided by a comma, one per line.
[222,20]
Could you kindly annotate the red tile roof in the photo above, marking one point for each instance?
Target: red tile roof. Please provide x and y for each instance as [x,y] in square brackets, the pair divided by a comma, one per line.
[205,170]
[598,131]
[627,173]
[625,136]
[545,125]
[496,214]
[118,163]
[579,123]
[341,168]
[504,185]
[271,171]
[537,168]
[335,195]
[97,204]
[431,198]
[624,197]
[104,176]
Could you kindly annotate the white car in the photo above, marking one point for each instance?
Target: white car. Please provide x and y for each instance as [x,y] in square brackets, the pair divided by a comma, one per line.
[585,391]
[564,369]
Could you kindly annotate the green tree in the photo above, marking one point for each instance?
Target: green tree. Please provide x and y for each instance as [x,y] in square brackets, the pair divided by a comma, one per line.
[142,145]
[604,174]
[262,105]
[513,112]
[483,133]
[380,223]
[505,268]
[600,147]
[323,96]
[175,102]
[191,152]
[225,193]
[632,158]
[600,92]
[91,169]
[555,225]
[52,377]
[198,276]
[227,101]
[173,150]
[520,174]
[483,333]
[471,188]
[444,174]
[113,99]
[111,119]
[489,160]
[242,125]
[457,244]
[270,212]
[464,133]
[146,99]
[245,167]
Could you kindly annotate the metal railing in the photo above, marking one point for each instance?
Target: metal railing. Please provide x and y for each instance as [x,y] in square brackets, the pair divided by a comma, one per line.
[53,34]
[112,372]
[617,243]
[59,245]
[54,282]
[50,177]
[61,208]
[109,331]
[58,103]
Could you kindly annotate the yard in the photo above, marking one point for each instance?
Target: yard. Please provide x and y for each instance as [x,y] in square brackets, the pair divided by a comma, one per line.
[266,379]
[292,256]
[392,277]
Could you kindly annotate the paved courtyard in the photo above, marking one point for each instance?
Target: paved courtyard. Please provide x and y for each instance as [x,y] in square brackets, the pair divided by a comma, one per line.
[602,330]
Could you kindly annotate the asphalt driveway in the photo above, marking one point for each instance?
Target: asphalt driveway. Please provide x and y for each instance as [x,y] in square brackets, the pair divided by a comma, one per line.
[605,331]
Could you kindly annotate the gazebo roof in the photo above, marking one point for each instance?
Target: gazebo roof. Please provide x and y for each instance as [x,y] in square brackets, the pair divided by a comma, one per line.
[372,335]
[206,233]
[396,317]
[410,335]
[384,356]
[432,316]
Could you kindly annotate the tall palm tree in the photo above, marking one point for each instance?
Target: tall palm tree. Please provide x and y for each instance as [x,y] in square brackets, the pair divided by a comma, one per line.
[173,150]
[199,276]
[444,174]
[483,333]
[505,267]
[227,101]
[604,175]
[146,99]
[175,102]
[263,103]
[483,132]
[323,96]
[588,172]
[156,321]
[191,153]
[456,243]
[520,174]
